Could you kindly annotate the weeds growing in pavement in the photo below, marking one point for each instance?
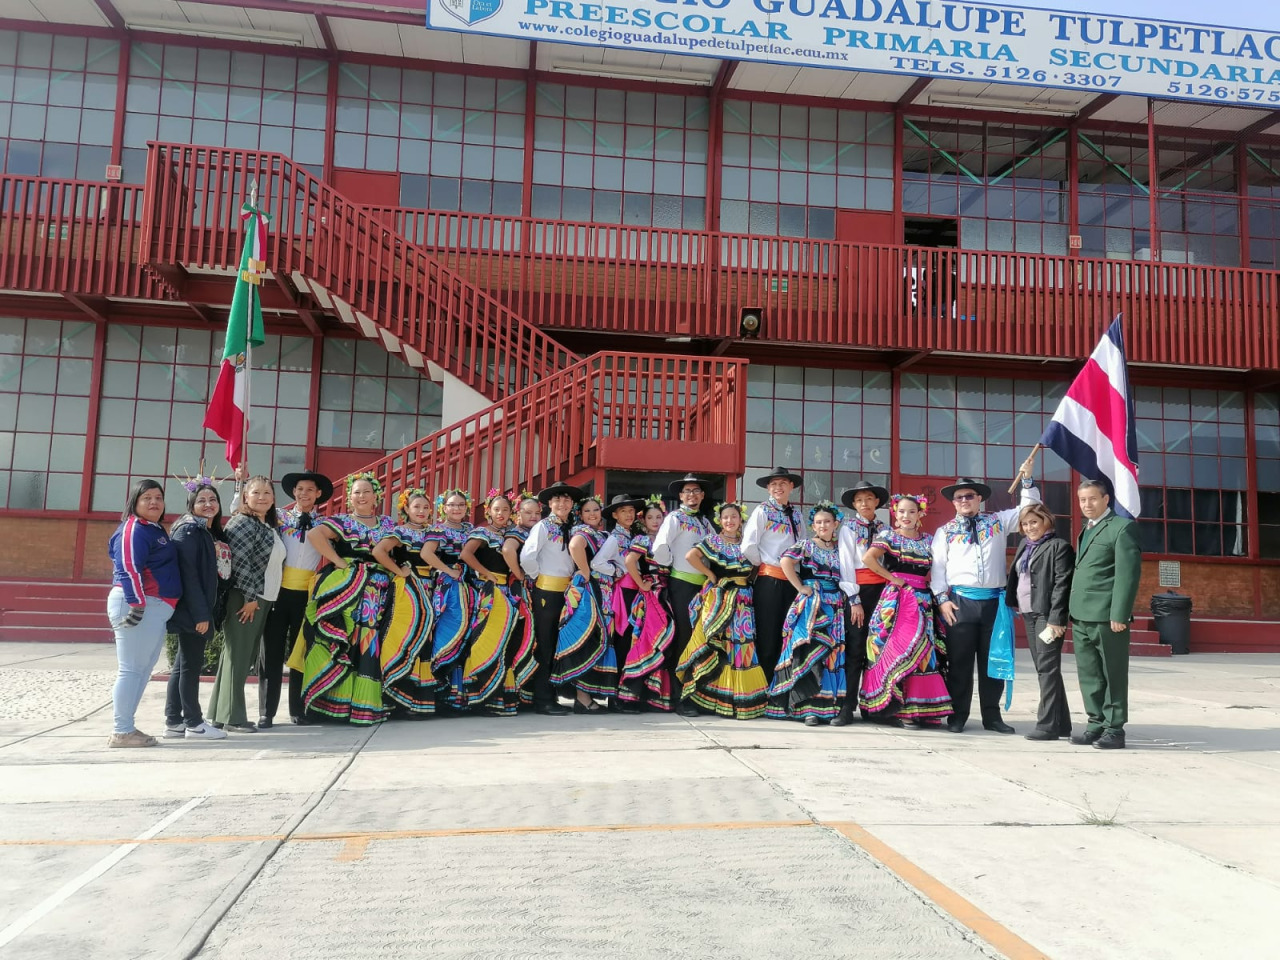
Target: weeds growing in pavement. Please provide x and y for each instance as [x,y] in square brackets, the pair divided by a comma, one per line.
[1095,819]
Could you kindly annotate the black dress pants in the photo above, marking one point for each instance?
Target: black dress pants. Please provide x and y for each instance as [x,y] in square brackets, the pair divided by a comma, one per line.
[772,598]
[182,700]
[1054,715]
[855,646]
[682,593]
[547,607]
[969,645]
[283,623]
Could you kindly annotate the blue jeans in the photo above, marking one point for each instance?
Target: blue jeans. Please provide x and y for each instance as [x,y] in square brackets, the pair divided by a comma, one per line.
[137,650]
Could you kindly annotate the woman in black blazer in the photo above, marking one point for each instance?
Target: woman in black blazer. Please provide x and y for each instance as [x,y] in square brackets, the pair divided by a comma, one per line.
[1039,588]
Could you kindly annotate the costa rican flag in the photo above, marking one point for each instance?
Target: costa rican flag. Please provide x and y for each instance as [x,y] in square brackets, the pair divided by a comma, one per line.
[1093,429]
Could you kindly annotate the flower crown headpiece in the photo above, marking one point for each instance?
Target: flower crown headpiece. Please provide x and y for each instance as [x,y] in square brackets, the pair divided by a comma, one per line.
[591,498]
[727,505]
[443,498]
[408,496]
[372,480]
[921,502]
[654,500]
[192,484]
[496,494]
[827,506]
[521,496]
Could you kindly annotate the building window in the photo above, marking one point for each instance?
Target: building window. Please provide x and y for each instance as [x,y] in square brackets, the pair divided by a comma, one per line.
[832,425]
[46,367]
[1193,474]
[457,142]
[224,98]
[1197,203]
[788,169]
[1266,438]
[371,400]
[1262,168]
[156,383]
[1004,185]
[981,427]
[1115,207]
[57,105]
[609,156]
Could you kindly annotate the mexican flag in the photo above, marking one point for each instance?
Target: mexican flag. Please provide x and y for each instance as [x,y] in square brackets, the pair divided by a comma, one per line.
[228,413]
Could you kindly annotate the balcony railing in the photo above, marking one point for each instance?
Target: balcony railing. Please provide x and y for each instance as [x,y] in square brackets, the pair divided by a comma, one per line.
[653,281]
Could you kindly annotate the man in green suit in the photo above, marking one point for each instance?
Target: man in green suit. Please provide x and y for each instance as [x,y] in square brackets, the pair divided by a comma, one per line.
[1108,567]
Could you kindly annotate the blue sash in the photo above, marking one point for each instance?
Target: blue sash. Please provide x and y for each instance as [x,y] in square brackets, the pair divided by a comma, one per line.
[1000,659]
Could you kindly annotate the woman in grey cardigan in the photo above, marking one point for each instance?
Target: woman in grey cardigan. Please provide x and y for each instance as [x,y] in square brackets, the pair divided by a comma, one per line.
[1039,588]
[257,567]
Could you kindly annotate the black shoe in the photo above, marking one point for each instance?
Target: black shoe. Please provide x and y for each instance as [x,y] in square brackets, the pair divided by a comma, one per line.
[687,709]
[812,722]
[581,708]
[1111,740]
[1041,735]
[1086,738]
[629,708]
[842,721]
[551,710]
[300,721]
[997,726]
[242,728]
[265,723]
[217,726]
[955,726]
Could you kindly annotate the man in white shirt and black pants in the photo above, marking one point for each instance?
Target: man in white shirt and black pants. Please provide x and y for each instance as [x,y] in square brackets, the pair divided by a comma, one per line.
[771,530]
[968,582]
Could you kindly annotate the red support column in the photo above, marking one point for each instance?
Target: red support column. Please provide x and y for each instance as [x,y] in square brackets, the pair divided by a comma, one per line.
[895,415]
[122,94]
[1153,181]
[899,115]
[1242,193]
[530,111]
[313,401]
[1073,184]
[330,120]
[1251,478]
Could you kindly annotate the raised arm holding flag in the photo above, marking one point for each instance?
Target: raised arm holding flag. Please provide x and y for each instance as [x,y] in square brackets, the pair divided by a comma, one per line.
[228,413]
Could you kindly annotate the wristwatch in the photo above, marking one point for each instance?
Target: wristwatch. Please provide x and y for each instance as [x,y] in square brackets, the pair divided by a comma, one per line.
[943,597]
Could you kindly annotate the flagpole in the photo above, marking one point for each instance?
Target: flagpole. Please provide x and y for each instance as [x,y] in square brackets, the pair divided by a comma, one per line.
[1031,460]
[248,346]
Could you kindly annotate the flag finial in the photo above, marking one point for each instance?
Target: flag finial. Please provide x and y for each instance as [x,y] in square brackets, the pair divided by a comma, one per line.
[253,192]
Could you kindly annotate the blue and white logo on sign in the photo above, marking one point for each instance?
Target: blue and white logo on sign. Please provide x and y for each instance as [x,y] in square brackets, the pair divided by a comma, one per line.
[472,12]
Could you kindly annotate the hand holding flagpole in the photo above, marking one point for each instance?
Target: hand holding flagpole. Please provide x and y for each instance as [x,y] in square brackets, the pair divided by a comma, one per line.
[1028,465]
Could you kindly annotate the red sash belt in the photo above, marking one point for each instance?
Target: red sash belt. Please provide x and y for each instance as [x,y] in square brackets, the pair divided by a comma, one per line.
[866,577]
[769,570]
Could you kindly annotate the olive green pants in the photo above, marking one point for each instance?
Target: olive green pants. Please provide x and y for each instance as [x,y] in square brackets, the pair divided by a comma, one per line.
[240,642]
[1102,662]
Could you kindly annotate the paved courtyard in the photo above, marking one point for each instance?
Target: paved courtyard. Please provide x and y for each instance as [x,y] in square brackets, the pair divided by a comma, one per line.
[640,837]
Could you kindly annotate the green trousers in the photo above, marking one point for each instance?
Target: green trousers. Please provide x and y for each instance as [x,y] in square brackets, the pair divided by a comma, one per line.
[240,643]
[1102,662]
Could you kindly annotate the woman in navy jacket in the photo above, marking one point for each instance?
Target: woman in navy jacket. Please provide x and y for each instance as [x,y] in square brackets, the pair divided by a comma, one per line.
[145,588]
[204,562]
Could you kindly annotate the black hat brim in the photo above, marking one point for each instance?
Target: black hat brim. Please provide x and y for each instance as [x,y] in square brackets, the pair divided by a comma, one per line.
[882,495]
[609,510]
[795,479]
[291,480]
[675,486]
[560,490]
[981,489]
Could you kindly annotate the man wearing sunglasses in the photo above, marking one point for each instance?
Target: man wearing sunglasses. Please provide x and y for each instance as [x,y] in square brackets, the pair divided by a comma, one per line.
[968,582]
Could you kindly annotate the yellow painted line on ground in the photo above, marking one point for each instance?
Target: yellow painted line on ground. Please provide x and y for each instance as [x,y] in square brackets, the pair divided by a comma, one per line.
[366,836]
[985,926]
[353,849]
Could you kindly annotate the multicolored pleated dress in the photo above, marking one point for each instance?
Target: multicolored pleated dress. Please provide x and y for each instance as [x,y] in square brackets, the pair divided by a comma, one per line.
[653,630]
[584,659]
[406,667]
[347,614]
[452,600]
[617,589]
[904,637]
[718,667]
[809,678]
[500,642]
[519,592]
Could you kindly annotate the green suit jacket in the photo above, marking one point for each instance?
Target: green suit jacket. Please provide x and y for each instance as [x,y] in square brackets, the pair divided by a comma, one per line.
[1108,568]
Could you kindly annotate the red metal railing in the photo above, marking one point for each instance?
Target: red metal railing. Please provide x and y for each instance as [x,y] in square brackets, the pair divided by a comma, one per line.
[69,236]
[191,218]
[609,409]
[648,280]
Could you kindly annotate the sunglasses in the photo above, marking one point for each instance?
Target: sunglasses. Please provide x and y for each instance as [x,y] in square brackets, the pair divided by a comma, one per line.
[962,497]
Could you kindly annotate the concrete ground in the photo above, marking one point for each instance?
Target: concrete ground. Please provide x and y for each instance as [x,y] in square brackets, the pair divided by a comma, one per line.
[639,837]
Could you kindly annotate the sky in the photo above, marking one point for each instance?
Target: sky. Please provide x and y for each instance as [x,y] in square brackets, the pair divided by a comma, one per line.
[1252,14]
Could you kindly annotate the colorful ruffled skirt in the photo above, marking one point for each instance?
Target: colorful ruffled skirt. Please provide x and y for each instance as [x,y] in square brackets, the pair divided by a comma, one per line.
[653,630]
[902,676]
[584,659]
[809,678]
[343,670]
[452,602]
[499,649]
[718,667]
[406,635]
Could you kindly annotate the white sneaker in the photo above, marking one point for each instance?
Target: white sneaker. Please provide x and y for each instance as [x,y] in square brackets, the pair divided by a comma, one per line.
[205,732]
[175,732]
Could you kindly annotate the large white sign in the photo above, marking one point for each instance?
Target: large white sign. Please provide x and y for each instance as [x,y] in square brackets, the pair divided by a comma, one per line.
[931,38]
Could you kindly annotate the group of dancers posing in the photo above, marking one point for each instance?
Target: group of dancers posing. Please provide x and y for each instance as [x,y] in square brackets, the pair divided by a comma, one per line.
[621,606]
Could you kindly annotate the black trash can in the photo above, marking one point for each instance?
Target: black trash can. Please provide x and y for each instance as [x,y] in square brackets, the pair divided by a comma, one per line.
[1172,612]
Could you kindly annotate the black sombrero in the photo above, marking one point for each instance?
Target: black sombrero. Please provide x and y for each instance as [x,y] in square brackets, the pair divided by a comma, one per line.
[675,486]
[882,495]
[561,490]
[291,480]
[780,473]
[967,483]
[623,500]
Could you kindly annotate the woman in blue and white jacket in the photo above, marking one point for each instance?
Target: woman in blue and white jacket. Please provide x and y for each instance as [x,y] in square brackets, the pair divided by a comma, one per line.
[146,586]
